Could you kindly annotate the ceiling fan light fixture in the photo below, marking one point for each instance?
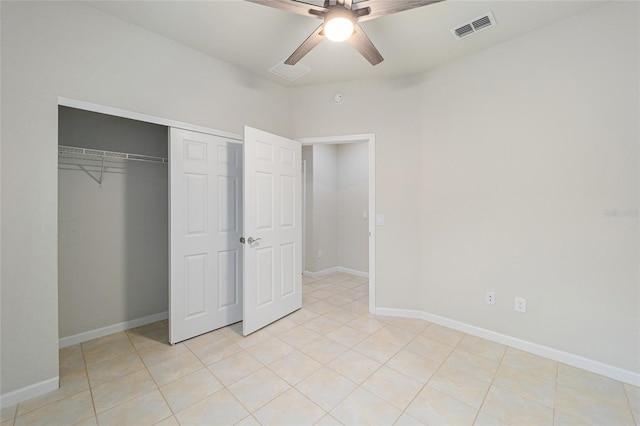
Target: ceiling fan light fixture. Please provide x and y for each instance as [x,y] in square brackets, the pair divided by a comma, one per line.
[338,29]
[340,21]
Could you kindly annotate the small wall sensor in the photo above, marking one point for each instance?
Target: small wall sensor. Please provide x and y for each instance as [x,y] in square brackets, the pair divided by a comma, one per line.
[338,98]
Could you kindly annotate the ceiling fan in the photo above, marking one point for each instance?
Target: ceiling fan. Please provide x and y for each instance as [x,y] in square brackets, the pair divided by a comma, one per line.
[340,22]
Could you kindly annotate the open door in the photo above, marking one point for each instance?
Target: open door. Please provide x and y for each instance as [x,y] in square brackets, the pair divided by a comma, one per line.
[272,228]
[205,180]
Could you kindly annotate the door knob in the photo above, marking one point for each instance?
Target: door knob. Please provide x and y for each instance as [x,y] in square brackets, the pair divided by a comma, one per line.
[251,240]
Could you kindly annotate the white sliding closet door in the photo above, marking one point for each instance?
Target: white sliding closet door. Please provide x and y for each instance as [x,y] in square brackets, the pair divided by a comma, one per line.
[205,283]
[273,228]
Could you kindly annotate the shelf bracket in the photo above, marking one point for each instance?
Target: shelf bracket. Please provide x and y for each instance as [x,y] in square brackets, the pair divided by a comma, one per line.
[101,172]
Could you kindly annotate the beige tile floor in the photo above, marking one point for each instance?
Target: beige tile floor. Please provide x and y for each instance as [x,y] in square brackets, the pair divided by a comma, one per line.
[328,363]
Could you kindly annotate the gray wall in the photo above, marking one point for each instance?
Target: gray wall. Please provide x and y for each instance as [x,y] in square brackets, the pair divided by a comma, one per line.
[309,257]
[52,49]
[338,193]
[516,181]
[112,240]
[353,200]
[325,207]
[495,171]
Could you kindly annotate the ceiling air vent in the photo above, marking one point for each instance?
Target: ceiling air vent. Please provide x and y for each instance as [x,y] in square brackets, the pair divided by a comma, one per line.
[463,30]
[289,72]
[478,24]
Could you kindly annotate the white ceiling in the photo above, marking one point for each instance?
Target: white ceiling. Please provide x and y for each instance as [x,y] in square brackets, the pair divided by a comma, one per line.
[256,37]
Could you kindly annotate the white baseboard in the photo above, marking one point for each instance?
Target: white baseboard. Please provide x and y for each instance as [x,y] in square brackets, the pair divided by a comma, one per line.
[104,331]
[12,398]
[320,273]
[336,269]
[353,272]
[593,366]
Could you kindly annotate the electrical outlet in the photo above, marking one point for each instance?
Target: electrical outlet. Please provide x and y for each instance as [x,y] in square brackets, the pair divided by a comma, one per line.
[490,298]
[319,254]
[520,305]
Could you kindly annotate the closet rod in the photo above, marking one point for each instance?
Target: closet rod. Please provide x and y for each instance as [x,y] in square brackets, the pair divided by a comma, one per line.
[75,152]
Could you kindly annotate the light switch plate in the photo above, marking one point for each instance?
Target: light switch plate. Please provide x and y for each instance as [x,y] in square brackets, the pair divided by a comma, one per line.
[380,220]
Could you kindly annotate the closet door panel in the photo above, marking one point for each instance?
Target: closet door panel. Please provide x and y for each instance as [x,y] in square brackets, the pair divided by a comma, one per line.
[195,204]
[195,278]
[206,273]
[228,274]
[227,204]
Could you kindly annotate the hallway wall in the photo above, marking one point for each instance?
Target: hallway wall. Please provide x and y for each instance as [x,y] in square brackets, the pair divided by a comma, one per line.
[338,193]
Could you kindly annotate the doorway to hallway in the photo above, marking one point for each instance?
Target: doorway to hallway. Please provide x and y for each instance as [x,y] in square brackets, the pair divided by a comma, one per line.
[338,207]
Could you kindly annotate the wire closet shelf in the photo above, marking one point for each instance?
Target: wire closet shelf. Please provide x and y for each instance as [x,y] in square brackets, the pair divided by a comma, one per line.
[104,156]
[77,152]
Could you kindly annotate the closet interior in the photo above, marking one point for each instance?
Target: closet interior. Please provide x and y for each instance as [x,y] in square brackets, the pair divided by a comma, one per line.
[112,221]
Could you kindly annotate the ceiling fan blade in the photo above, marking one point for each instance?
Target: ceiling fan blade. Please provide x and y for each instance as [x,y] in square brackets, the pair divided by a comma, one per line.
[363,44]
[294,6]
[312,41]
[387,7]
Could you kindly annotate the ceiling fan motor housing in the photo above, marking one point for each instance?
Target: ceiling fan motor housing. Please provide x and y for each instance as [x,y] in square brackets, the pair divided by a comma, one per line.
[339,12]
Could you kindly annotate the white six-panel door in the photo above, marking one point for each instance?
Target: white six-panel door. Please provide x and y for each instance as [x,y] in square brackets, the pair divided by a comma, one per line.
[272,217]
[205,194]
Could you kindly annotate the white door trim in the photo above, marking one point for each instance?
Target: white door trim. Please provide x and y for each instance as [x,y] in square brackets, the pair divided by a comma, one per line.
[303,220]
[370,139]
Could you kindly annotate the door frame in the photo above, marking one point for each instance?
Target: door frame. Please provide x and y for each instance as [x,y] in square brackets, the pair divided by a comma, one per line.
[370,139]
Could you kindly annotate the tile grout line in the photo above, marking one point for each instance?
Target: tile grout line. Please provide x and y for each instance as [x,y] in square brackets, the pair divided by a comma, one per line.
[145,367]
[493,378]
[173,414]
[441,365]
[116,378]
[626,393]
[425,383]
[555,392]
[283,379]
[206,367]
[86,370]
[404,411]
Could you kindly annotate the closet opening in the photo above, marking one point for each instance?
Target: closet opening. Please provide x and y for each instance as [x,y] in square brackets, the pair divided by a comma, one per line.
[338,227]
[112,224]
